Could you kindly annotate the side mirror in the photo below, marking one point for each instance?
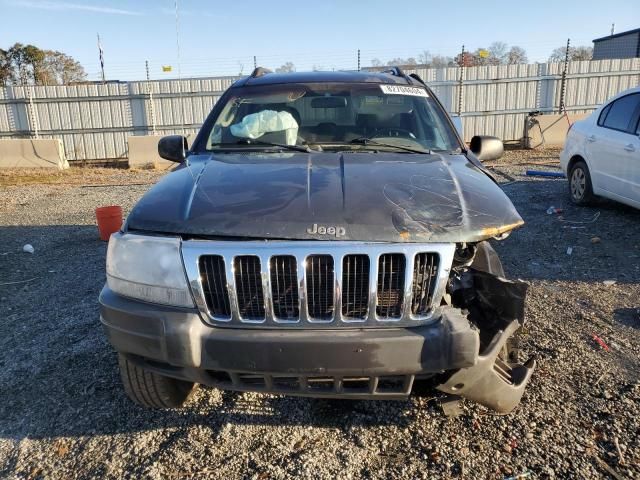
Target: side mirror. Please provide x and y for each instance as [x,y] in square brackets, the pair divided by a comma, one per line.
[487,148]
[173,148]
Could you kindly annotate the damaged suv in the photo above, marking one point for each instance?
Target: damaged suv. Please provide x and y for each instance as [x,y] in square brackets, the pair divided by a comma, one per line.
[325,235]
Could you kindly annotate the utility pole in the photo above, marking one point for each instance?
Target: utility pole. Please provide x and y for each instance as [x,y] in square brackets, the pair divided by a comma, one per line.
[101,53]
[255,62]
[358,59]
[613,28]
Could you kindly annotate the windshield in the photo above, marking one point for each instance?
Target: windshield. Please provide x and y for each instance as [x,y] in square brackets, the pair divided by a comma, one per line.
[329,116]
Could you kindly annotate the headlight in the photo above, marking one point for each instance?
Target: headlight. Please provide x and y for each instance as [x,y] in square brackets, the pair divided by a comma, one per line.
[148,269]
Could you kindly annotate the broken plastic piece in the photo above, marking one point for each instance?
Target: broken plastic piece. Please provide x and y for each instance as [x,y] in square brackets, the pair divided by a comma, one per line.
[600,342]
[491,381]
[257,124]
[28,248]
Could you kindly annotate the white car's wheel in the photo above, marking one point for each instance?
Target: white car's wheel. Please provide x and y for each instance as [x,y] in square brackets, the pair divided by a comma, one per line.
[580,187]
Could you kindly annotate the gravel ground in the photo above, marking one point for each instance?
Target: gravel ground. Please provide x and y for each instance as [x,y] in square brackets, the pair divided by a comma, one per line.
[63,413]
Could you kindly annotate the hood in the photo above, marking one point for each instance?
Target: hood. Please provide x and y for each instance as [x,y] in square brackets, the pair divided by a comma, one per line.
[363,196]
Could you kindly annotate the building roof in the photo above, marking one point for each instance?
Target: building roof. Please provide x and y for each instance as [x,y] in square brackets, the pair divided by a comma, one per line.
[616,35]
[339,77]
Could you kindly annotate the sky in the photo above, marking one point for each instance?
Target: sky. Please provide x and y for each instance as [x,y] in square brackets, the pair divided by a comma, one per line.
[221,38]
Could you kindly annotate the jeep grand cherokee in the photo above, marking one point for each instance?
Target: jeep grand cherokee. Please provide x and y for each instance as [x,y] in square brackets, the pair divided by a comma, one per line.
[325,235]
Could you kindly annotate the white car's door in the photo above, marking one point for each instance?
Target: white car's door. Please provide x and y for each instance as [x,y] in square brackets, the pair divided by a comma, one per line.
[613,149]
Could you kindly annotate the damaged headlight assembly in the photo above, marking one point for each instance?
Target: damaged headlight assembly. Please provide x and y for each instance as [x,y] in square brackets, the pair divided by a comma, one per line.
[148,268]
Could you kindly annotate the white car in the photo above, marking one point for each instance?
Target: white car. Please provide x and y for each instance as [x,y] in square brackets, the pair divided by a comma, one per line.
[601,154]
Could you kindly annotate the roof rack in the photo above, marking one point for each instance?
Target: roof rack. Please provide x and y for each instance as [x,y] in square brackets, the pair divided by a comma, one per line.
[416,77]
[397,72]
[259,72]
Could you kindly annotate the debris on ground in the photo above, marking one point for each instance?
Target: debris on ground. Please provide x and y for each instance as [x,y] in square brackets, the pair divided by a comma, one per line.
[28,248]
[60,379]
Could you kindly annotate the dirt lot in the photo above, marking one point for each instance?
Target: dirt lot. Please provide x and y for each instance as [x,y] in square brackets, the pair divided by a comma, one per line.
[63,413]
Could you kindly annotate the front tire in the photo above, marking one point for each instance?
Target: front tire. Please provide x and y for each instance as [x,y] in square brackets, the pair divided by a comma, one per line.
[580,187]
[153,390]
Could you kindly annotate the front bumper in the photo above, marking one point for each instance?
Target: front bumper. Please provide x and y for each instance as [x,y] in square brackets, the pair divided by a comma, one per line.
[358,363]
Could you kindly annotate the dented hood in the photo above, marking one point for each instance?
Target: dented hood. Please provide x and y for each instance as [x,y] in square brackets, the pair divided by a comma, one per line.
[390,197]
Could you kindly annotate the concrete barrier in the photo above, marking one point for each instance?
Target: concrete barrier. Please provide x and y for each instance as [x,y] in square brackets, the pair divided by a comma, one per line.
[32,153]
[551,130]
[143,152]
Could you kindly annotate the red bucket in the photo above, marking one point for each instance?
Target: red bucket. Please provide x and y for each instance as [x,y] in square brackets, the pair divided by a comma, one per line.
[109,220]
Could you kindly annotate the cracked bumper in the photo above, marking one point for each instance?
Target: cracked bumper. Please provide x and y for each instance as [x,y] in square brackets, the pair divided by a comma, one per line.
[347,363]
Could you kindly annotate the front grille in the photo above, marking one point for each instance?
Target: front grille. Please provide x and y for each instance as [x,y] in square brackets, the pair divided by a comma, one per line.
[320,285]
[391,269]
[214,284]
[249,287]
[425,272]
[316,284]
[355,286]
[284,287]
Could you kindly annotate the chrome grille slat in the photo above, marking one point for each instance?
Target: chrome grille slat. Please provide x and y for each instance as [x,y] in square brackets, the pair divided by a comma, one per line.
[391,281]
[284,287]
[355,287]
[249,288]
[320,283]
[215,285]
[424,271]
[262,279]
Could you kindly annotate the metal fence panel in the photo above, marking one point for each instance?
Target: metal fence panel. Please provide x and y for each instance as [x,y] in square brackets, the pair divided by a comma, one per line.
[95,120]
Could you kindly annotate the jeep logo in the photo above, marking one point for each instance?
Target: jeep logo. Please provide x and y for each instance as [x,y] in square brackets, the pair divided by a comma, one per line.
[324,230]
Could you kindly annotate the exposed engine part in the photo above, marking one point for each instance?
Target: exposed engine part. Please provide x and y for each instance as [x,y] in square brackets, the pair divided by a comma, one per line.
[495,306]
[464,255]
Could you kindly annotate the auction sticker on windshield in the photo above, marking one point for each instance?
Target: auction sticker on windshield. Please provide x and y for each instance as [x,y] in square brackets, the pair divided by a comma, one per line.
[403,90]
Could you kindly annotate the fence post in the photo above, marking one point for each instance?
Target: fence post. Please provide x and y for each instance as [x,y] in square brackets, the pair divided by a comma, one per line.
[460,82]
[152,110]
[33,114]
[563,82]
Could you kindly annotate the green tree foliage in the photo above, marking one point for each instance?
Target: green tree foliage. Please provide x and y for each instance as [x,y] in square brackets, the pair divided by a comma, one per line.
[29,65]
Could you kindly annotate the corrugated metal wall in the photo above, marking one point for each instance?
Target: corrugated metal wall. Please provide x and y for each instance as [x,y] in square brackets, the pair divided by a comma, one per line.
[94,120]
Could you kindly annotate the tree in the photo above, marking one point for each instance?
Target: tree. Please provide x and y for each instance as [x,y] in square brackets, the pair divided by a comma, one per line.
[582,53]
[402,61]
[441,61]
[498,53]
[6,72]
[425,58]
[18,63]
[59,68]
[468,59]
[286,68]
[29,65]
[575,54]
[375,62]
[33,57]
[516,55]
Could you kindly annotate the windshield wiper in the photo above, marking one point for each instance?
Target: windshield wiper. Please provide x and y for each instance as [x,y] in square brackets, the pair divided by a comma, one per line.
[298,148]
[370,141]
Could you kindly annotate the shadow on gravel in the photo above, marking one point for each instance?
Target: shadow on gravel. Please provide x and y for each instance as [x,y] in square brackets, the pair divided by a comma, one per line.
[628,316]
[587,244]
[60,377]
